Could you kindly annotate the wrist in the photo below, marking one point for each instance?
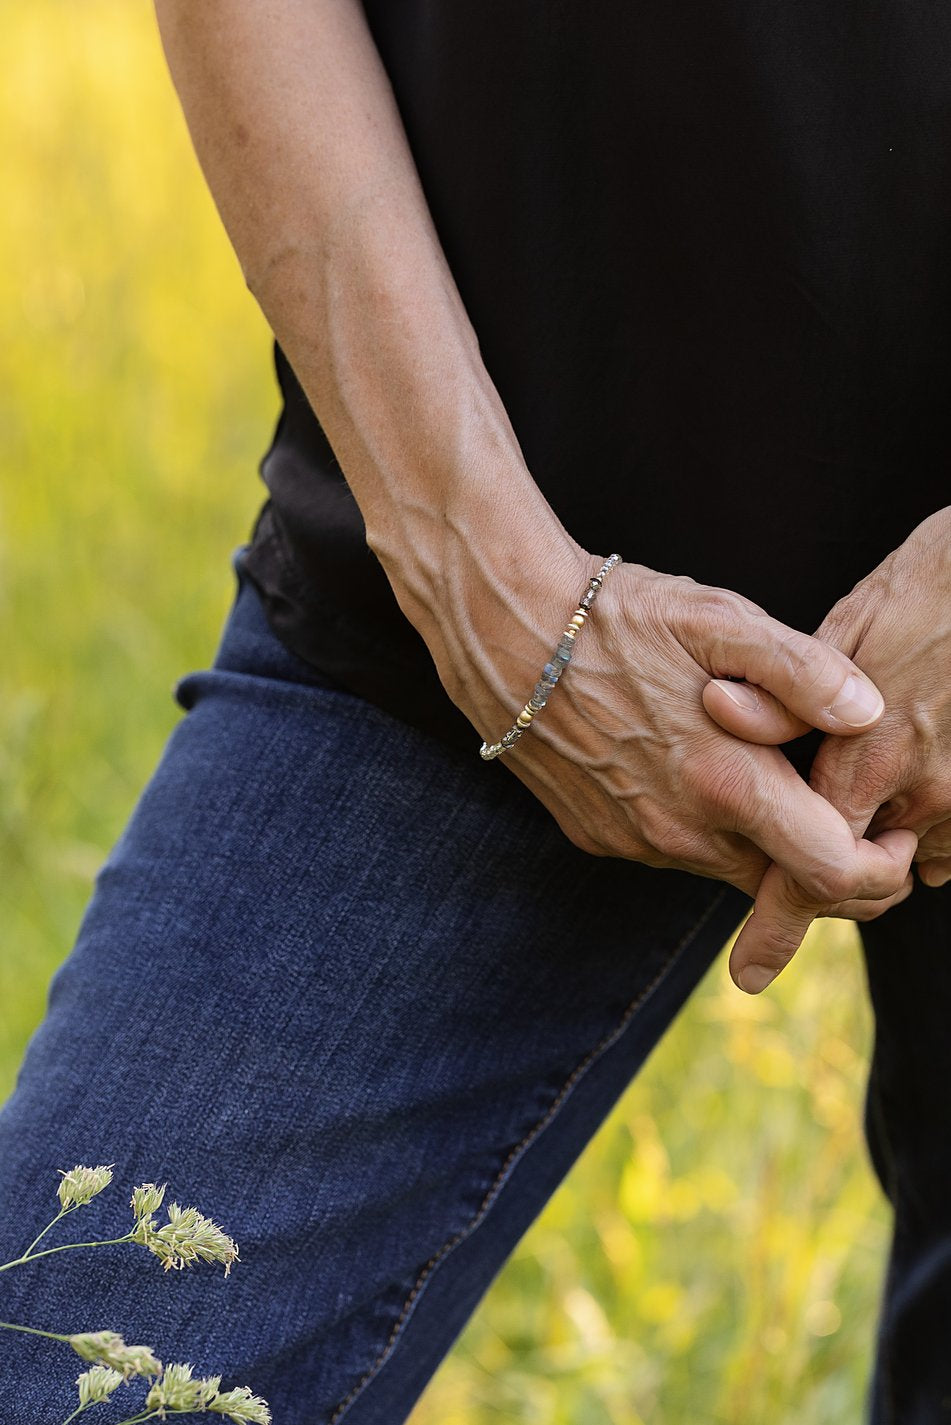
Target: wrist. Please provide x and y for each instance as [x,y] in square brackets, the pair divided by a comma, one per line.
[497,608]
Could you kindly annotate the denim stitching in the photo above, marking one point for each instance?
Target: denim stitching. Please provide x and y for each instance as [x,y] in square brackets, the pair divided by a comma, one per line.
[886,1375]
[516,1153]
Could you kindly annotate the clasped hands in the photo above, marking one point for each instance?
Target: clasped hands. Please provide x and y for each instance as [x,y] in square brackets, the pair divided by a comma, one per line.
[891,783]
[679,764]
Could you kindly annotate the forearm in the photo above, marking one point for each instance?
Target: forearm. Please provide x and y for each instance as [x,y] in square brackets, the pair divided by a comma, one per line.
[300,140]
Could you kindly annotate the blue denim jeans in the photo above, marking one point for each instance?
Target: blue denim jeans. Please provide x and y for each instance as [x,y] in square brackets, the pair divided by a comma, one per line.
[354,995]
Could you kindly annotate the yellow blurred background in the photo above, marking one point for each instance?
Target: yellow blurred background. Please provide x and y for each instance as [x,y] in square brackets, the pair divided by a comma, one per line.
[716,1256]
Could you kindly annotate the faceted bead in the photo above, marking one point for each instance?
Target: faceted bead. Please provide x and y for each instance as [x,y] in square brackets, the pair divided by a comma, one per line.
[551,672]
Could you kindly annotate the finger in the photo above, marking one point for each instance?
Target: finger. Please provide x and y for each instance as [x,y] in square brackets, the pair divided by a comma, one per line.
[751,713]
[935,873]
[864,911]
[857,780]
[814,681]
[935,843]
[799,830]
[784,911]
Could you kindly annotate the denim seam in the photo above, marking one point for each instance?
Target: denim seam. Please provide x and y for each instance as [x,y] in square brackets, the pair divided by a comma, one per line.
[885,1338]
[516,1154]
[894,1192]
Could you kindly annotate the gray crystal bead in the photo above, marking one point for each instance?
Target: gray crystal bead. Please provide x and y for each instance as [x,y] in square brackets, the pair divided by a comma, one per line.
[551,672]
[541,694]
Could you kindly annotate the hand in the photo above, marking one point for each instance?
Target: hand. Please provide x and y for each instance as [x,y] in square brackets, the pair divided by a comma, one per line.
[896,625]
[628,762]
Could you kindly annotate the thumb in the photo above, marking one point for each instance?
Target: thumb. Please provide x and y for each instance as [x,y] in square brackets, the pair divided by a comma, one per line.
[812,683]
[751,713]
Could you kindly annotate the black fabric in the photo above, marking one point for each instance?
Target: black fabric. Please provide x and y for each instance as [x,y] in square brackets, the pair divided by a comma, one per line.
[706,248]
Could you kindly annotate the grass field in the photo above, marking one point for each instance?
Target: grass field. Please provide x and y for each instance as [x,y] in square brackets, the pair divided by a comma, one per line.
[715,1258]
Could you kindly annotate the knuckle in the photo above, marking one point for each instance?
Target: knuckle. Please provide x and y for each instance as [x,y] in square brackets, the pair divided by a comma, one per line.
[845,624]
[839,885]
[719,613]
[720,607]
[805,661]
[828,884]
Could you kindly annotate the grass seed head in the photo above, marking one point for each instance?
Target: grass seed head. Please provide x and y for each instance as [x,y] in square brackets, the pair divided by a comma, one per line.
[107,1348]
[80,1185]
[97,1384]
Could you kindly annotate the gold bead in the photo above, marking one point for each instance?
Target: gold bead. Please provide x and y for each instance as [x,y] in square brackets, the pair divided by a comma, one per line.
[523,720]
[576,622]
[570,632]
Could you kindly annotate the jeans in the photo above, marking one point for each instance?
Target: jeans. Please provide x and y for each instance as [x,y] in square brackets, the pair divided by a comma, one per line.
[355,996]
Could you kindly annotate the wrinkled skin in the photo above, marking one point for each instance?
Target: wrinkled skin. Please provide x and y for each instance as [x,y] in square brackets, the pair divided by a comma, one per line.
[896,626]
[630,764]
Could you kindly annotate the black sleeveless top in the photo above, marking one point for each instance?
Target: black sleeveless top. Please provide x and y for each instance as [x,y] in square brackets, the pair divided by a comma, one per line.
[706,249]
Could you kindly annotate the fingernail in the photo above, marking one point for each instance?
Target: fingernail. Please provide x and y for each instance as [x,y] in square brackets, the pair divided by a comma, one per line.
[754,978]
[858,703]
[934,879]
[739,693]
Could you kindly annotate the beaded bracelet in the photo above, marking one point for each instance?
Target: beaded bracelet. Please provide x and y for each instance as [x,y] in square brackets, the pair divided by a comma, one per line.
[553,668]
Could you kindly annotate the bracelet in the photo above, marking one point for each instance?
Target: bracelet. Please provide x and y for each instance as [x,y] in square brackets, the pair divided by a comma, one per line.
[554,668]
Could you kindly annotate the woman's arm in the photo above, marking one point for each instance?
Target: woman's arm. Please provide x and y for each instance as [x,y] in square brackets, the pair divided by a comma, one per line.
[300,139]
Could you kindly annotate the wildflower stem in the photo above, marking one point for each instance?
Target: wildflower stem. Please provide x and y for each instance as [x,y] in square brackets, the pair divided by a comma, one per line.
[66,1247]
[32,1331]
[78,1411]
[58,1218]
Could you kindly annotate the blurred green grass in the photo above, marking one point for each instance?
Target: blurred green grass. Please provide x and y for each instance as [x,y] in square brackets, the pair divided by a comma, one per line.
[716,1256]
